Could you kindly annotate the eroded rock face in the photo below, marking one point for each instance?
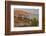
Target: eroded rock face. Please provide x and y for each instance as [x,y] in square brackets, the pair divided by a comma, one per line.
[20,19]
[22,12]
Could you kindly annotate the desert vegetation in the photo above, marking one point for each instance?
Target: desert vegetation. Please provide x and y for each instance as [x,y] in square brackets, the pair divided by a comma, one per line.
[25,22]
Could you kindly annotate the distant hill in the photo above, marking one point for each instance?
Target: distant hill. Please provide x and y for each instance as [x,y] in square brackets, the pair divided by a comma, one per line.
[22,12]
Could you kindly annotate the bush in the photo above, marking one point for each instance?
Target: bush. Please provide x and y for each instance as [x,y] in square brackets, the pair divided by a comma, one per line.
[35,21]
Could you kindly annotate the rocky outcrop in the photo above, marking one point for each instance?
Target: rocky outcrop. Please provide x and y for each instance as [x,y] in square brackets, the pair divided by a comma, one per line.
[22,12]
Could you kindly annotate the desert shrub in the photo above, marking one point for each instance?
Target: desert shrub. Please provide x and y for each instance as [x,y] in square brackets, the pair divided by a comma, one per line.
[35,21]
